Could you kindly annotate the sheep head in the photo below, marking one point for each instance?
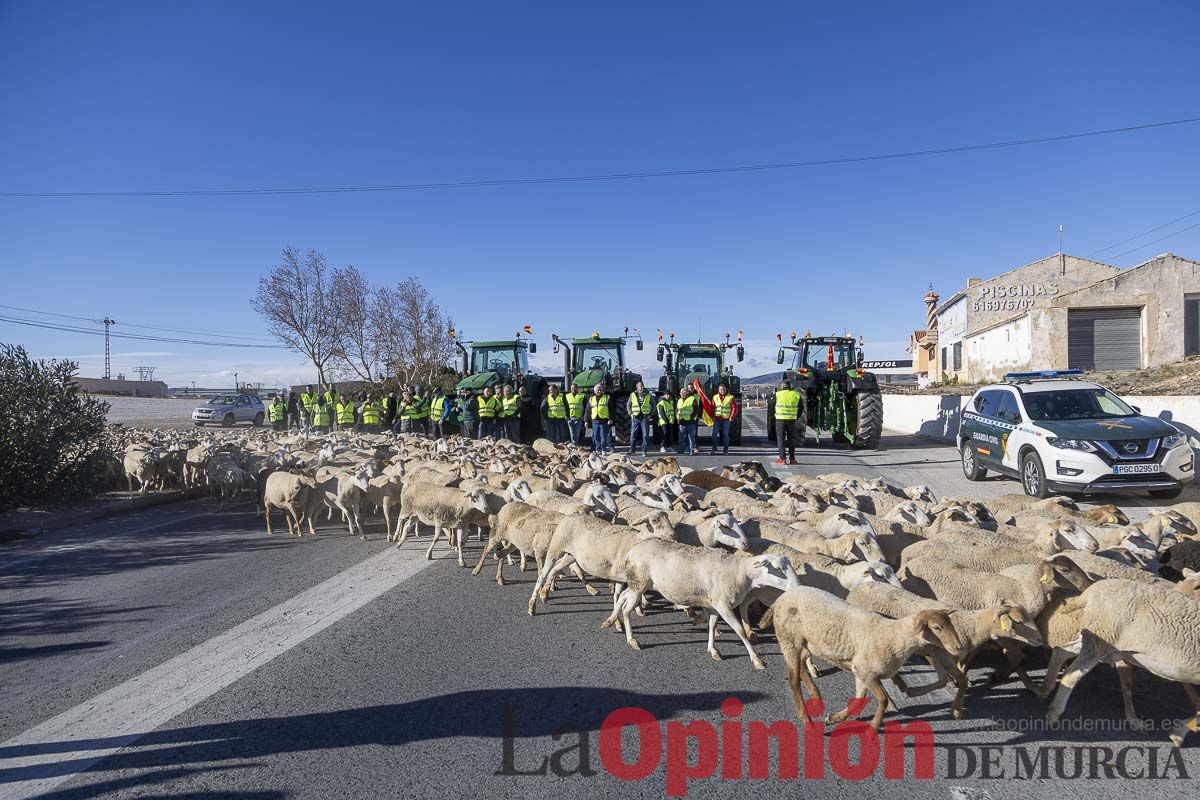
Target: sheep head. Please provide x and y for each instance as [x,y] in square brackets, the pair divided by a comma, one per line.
[672,483]
[1012,621]
[601,498]
[848,521]
[723,528]
[933,626]
[1060,572]
[1190,585]
[1106,515]
[1064,534]
[866,546]
[477,501]
[921,493]
[864,571]
[659,499]
[656,524]
[772,571]
[518,490]
[909,512]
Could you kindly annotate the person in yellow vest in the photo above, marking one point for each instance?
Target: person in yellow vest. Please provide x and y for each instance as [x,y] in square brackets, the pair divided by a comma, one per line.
[722,414]
[789,421]
[277,413]
[308,399]
[489,410]
[331,398]
[641,410]
[439,412]
[666,419]
[322,415]
[575,403]
[554,409]
[388,406]
[687,412]
[510,416]
[371,412]
[601,416]
[421,412]
[345,412]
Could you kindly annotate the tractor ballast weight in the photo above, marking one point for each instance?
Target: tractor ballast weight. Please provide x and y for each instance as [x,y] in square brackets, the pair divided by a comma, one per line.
[601,359]
[839,397]
[500,363]
[705,362]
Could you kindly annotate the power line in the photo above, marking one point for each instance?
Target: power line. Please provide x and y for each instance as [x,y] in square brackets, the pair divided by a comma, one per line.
[75,329]
[471,184]
[1144,233]
[198,331]
[1156,241]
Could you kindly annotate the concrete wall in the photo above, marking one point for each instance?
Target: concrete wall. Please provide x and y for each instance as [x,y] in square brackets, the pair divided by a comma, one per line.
[1158,286]
[1035,285]
[127,388]
[994,352]
[938,416]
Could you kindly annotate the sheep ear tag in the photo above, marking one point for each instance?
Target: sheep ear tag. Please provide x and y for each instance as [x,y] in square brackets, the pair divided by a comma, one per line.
[1044,579]
[1005,622]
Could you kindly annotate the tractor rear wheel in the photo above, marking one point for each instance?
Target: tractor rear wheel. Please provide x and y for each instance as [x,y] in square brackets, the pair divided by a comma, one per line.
[867,423]
[735,428]
[771,435]
[619,408]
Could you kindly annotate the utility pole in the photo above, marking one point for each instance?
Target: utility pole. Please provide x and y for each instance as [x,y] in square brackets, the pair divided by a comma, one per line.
[235,382]
[107,350]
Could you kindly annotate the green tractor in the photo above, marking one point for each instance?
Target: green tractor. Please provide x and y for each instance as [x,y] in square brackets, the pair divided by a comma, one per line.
[601,359]
[839,396]
[498,364]
[687,364]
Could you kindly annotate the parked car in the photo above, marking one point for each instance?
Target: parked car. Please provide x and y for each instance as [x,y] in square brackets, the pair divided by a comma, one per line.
[227,410]
[1057,433]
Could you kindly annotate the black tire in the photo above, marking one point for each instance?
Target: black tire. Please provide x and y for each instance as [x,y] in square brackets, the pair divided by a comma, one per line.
[619,408]
[735,429]
[228,421]
[771,434]
[970,462]
[868,419]
[1033,476]
[258,420]
[1166,494]
[198,424]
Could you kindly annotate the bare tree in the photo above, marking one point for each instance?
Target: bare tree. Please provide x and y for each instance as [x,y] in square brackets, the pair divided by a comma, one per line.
[358,337]
[294,300]
[416,345]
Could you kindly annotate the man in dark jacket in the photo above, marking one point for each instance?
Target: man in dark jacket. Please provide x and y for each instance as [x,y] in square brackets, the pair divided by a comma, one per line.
[293,410]
[468,413]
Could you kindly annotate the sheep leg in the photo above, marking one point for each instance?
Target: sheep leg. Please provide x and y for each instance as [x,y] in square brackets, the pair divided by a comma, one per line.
[731,619]
[500,567]
[712,632]
[267,514]
[744,614]
[1089,656]
[437,533]
[387,518]
[460,534]
[619,601]
[1058,658]
[881,697]
[488,548]
[1181,730]
[796,675]
[541,586]
[405,522]
[1191,693]
[523,557]
[1125,673]
[860,691]
[630,600]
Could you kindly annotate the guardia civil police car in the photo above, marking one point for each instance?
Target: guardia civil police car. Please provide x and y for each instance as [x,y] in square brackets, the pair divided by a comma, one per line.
[1059,434]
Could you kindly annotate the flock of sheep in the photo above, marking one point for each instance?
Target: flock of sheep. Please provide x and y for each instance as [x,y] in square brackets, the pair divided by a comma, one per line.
[858,573]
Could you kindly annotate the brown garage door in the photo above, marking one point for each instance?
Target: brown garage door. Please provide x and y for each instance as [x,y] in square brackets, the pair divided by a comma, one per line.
[1104,338]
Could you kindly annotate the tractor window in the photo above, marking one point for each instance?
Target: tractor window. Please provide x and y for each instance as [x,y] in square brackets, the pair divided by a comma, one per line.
[701,363]
[597,356]
[501,360]
[815,355]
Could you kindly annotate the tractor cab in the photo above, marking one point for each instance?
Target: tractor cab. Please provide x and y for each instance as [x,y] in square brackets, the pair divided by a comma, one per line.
[494,363]
[824,354]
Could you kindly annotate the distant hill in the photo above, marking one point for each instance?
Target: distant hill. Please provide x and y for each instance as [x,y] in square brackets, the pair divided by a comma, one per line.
[770,377]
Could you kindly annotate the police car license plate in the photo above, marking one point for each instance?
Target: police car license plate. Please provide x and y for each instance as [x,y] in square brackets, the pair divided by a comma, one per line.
[1136,469]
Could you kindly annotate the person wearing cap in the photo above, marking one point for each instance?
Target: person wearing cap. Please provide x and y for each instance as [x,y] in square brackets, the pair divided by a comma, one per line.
[789,411]
[665,415]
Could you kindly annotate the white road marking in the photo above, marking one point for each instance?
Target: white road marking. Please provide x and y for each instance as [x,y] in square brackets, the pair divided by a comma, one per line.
[136,707]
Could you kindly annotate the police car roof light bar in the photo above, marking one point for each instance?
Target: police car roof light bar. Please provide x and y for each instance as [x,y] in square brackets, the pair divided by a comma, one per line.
[1049,373]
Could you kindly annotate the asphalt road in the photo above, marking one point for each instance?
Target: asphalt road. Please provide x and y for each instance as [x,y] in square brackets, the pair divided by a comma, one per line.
[181,652]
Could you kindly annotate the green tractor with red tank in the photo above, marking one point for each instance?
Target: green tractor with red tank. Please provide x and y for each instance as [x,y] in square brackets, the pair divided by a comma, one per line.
[601,360]
[690,363]
[838,396]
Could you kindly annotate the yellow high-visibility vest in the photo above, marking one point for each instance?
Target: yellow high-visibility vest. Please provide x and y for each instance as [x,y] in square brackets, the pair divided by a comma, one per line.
[370,414]
[278,411]
[511,406]
[437,407]
[685,409]
[488,407]
[599,407]
[345,413]
[575,401]
[666,411]
[723,406]
[320,415]
[643,408]
[556,407]
[308,401]
[787,404]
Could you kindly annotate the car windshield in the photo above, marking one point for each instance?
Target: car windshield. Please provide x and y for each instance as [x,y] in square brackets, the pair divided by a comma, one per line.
[815,355]
[597,356]
[1076,404]
[224,400]
[501,360]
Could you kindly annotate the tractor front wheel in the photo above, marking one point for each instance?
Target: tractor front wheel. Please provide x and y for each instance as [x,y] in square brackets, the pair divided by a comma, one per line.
[735,430]
[868,419]
[771,435]
[619,408]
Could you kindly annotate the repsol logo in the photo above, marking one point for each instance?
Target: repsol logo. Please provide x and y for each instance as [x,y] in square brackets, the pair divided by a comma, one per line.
[887,364]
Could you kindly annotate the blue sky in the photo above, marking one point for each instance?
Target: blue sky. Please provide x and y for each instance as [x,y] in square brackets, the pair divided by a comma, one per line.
[147,96]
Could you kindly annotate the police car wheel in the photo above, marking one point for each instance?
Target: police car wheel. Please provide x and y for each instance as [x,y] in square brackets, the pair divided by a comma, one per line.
[1033,476]
[970,463]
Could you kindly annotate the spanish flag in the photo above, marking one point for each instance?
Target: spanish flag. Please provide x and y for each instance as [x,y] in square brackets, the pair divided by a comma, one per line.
[707,405]
[528,329]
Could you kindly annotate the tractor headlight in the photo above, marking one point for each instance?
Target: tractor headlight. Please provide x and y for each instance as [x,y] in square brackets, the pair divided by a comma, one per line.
[1071,444]
[1174,440]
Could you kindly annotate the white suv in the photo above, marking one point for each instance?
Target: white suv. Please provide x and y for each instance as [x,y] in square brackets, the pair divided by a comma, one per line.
[1056,433]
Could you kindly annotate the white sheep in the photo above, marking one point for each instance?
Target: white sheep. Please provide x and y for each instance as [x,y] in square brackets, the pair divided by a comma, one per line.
[697,577]
[293,494]
[1028,585]
[444,508]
